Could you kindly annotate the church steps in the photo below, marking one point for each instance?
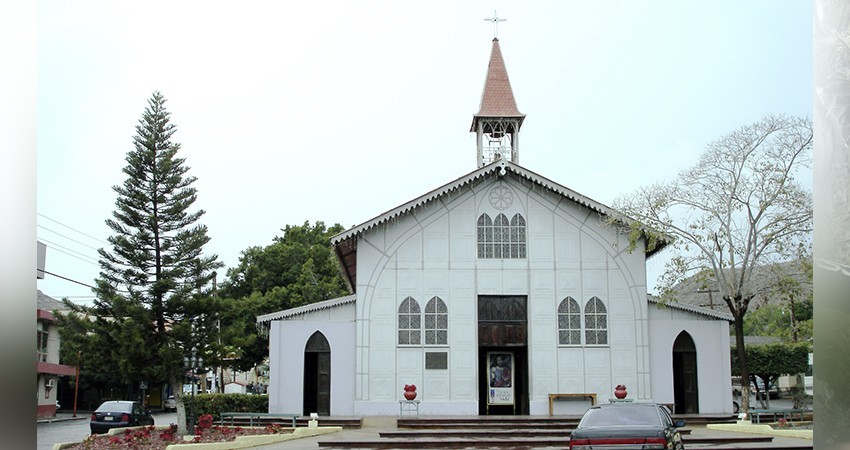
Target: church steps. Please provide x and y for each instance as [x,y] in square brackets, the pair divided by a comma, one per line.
[487,432]
[514,440]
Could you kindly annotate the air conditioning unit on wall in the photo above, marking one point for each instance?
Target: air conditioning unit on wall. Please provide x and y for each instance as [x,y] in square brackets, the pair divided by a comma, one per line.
[50,383]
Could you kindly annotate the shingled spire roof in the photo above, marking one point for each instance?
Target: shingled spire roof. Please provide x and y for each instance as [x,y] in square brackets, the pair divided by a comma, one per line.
[498,97]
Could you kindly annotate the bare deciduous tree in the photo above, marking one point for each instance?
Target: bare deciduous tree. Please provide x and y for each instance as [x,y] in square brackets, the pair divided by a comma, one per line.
[738,208]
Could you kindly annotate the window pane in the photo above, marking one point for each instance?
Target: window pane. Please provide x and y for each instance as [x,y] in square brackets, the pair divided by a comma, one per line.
[575,321]
[403,321]
[403,337]
[602,321]
[575,337]
[430,321]
[442,321]
[415,322]
[415,338]
[603,337]
[563,323]
[563,337]
[441,306]
[442,337]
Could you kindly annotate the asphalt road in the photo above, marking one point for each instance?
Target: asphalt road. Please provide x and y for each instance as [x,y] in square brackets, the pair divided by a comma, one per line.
[68,429]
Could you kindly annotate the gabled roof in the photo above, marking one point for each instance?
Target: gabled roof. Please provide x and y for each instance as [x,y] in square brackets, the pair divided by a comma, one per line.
[325,304]
[48,303]
[345,243]
[497,100]
[691,308]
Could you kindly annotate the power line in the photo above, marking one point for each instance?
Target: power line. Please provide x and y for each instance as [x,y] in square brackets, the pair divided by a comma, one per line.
[58,248]
[70,228]
[65,278]
[66,237]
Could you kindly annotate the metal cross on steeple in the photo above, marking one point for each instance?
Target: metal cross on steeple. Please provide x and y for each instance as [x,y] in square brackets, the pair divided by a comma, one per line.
[495,19]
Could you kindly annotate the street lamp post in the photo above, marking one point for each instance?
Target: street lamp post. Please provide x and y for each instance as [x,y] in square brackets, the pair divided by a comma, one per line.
[191,363]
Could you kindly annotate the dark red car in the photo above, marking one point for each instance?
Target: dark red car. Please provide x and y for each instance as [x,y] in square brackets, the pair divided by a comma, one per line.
[627,426]
[119,414]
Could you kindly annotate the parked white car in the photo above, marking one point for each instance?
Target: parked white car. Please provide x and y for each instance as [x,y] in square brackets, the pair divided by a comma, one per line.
[170,404]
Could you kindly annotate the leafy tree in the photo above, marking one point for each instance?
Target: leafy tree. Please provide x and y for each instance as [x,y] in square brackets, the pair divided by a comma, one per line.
[153,287]
[768,362]
[775,320]
[298,268]
[738,208]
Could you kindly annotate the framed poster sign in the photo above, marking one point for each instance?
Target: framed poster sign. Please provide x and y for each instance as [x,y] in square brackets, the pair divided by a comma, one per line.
[500,378]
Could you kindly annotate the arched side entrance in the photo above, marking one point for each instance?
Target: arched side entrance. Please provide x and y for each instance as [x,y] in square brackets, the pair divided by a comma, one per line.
[317,375]
[685,383]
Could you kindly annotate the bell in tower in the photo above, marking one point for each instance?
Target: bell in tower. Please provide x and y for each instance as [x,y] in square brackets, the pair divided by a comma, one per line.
[497,123]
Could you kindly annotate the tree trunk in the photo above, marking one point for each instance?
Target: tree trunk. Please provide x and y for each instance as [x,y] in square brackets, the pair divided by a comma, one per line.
[742,361]
[181,407]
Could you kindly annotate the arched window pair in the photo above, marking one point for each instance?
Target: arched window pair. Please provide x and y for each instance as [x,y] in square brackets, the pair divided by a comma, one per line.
[570,323]
[410,322]
[501,238]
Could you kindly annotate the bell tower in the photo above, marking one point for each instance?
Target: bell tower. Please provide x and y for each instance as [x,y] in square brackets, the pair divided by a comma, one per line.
[497,123]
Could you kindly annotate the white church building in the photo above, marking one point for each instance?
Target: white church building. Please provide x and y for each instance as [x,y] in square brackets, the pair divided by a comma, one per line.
[500,292]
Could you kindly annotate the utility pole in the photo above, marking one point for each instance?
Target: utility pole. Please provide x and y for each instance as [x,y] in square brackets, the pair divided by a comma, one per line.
[710,299]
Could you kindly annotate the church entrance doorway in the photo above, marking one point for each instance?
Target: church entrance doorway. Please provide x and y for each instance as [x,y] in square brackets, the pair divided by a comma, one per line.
[502,355]
[685,386]
[317,375]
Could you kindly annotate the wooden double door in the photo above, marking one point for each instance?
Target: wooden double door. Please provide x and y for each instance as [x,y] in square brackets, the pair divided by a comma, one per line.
[502,355]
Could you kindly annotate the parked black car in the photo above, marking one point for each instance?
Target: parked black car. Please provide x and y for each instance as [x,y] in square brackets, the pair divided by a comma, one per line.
[627,426]
[119,414]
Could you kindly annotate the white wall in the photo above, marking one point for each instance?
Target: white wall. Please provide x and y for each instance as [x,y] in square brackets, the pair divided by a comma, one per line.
[286,359]
[711,338]
[434,253]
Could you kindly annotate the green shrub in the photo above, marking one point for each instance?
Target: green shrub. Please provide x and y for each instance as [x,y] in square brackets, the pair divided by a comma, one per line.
[215,404]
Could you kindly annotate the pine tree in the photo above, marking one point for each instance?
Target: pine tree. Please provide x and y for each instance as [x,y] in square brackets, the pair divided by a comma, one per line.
[154,285]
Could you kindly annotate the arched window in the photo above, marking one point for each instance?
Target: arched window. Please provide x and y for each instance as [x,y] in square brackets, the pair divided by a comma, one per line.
[595,322]
[501,238]
[569,322]
[436,322]
[517,240]
[485,236]
[409,323]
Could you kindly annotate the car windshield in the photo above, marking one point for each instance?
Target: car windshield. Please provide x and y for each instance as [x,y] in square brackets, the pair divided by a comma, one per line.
[619,416]
[115,407]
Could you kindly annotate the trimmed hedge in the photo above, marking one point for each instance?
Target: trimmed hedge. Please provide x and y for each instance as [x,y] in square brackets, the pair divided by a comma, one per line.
[216,404]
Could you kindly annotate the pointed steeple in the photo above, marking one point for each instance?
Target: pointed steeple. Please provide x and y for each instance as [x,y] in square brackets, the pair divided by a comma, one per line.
[498,120]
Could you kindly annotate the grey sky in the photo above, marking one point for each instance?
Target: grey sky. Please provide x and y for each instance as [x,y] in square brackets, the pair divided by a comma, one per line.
[338,111]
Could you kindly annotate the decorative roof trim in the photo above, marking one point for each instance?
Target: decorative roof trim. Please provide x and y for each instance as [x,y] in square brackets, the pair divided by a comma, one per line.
[325,304]
[692,308]
[502,167]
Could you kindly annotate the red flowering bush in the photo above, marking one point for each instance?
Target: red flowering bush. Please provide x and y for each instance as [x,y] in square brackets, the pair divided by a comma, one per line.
[149,438]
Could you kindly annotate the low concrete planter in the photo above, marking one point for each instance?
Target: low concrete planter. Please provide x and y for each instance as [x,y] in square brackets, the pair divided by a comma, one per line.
[239,443]
[761,429]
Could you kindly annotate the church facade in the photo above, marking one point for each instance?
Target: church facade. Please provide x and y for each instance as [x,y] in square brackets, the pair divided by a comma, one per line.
[500,292]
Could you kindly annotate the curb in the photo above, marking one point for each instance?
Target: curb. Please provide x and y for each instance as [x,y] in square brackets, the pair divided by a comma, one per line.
[60,419]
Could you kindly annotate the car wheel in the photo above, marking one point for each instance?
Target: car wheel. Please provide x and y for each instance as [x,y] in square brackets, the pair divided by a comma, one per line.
[736,407]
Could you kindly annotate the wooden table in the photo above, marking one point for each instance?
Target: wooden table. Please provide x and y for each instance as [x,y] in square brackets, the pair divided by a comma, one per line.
[553,397]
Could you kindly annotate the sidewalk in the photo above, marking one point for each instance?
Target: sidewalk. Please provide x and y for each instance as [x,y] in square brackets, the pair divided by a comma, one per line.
[61,417]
